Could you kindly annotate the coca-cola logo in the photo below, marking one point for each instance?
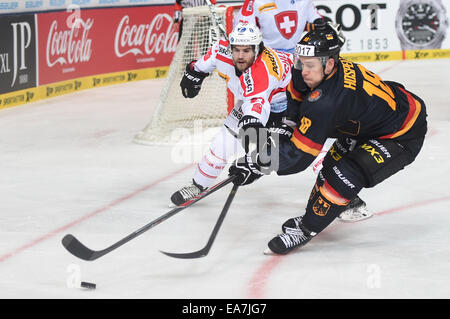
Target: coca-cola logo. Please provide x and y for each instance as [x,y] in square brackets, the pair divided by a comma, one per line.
[69,46]
[145,39]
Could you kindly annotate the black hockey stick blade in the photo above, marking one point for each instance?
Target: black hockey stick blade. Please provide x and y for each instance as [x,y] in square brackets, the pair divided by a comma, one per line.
[78,249]
[205,250]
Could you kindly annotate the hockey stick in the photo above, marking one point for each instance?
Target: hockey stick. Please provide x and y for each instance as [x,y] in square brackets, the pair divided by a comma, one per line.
[217,20]
[76,248]
[204,251]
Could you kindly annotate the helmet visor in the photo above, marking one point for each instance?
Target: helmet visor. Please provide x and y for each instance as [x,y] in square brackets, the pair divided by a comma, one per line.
[298,65]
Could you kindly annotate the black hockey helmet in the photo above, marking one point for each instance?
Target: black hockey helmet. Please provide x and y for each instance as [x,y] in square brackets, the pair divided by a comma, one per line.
[324,41]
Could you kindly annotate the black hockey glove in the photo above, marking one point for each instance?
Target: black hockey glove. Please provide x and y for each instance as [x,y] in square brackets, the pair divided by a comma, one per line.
[191,81]
[251,131]
[282,130]
[245,170]
[280,133]
[266,156]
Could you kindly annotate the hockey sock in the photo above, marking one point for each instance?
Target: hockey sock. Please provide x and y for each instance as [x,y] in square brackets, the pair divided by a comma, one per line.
[223,147]
[323,207]
[209,169]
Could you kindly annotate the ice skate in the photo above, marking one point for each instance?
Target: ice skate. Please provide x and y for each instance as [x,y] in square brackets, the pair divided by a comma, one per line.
[294,237]
[185,194]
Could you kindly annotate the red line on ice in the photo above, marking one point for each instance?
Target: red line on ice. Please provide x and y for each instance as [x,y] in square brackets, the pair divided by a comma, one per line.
[87,216]
[258,282]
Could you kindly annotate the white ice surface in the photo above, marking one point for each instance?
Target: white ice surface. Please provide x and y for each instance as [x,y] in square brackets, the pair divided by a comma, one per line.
[68,165]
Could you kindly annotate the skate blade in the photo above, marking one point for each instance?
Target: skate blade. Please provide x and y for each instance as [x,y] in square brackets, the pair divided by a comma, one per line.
[172,205]
[352,218]
[268,252]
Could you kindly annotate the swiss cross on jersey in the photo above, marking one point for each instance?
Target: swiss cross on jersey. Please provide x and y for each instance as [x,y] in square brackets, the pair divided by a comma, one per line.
[257,104]
[287,22]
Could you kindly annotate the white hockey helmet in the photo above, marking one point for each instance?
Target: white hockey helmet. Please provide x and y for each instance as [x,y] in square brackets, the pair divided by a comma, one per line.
[245,33]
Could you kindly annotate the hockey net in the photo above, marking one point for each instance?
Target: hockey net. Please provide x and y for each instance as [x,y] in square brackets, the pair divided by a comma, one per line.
[211,106]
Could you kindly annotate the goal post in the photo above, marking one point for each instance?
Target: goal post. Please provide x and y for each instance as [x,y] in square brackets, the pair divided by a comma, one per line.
[214,101]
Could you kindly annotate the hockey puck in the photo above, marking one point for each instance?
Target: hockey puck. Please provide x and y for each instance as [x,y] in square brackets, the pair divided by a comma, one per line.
[88,285]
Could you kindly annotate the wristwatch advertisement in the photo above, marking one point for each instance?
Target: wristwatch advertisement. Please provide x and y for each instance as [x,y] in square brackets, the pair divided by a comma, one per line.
[421,24]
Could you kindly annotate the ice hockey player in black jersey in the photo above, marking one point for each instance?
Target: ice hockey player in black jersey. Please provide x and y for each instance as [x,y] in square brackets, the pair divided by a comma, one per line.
[380,128]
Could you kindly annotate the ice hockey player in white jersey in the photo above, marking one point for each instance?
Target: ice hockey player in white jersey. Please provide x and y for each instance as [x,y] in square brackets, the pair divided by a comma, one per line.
[281,21]
[257,75]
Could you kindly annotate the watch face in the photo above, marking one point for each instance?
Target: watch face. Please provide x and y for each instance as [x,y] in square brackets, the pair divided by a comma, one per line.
[420,23]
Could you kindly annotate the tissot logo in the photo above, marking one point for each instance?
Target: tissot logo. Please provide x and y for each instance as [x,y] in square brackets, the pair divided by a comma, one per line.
[353,15]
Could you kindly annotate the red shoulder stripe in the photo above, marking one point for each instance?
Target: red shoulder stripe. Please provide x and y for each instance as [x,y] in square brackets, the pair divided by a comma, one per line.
[305,144]
[275,92]
[224,59]
[294,93]
[414,109]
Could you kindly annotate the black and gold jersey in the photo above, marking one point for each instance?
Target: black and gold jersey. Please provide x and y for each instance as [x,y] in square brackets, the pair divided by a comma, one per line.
[353,102]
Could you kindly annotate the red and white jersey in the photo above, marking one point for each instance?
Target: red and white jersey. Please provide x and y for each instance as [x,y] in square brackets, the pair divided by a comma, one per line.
[262,84]
[281,21]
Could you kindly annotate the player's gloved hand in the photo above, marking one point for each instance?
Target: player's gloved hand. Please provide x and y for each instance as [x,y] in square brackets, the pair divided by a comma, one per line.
[279,133]
[177,16]
[282,130]
[291,122]
[191,82]
[249,121]
[251,131]
[245,170]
